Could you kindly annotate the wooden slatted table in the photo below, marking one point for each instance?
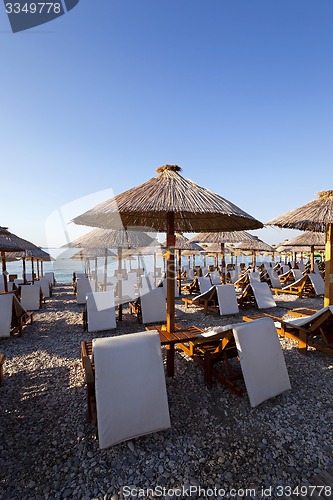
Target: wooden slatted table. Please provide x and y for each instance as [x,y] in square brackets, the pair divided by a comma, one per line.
[183,333]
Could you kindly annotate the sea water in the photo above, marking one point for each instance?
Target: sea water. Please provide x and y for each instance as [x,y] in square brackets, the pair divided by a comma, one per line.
[63,267]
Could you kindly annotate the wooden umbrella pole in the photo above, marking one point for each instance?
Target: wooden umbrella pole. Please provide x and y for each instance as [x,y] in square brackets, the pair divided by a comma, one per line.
[4,271]
[23,271]
[179,272]
[312,258]
[170,272]
[223,263]
[42,268]
[328,295]
[120,287]
[32,270]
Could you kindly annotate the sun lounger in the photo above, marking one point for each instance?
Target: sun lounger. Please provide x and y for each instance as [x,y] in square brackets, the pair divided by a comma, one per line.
[317,283]
[153,305]
[205,300]
[12,315]
[50,276]
[254,277]
[262,361]
[258,294]
[126,388]
[314,331]
[205,283]
[296,288]
[6,312]
[215,279]
[227,299]
[101,314]
[258,349]
[31,297]
[45,287]
[274,280]
[2,283]
[83,286]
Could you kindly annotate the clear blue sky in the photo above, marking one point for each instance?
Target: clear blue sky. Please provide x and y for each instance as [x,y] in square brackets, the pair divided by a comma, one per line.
[236,92]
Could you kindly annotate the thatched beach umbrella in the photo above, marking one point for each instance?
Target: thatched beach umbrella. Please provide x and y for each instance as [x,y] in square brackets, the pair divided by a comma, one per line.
[253,246]
[169,203]
[222,238]
[37,254]
[9,242]
[114,238]
[308,241]
[317,216]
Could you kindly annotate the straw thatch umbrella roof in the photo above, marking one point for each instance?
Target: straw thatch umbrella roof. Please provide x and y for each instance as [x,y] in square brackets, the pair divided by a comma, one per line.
[307,239]
[306,242]
[194,208]
[255,245]
[169,203]
[223,237]
[109,238]
[317,216]
[9,242]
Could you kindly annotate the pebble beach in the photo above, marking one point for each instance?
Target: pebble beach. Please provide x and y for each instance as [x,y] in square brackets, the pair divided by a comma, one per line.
[217,446]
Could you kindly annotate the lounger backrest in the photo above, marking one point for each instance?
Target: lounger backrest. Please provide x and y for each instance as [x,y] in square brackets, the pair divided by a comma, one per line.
[83,286]
[317,283]
[297,273]
[30,297]
[301,265]
[45,286]
[147,282]
[50,276]
[262,361]
[128,290]
[254,277]
[204,284]
[215,278]
[165,287]
[274,278]
[234,275]
[263,295]
[205,295]
[131,397]
[101,313]
[227,299]
[6,311]
[153,305]
[190,274]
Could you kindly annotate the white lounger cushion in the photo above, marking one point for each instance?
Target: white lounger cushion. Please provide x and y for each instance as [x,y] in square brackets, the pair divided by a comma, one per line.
[263,295]
[204,284]
[227,299]
[83,286]
[131,395]
[6,311]
[153,305]
[45,286]
[2,283]
[101,314]
[30,297]
[318,283]
[262,361]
